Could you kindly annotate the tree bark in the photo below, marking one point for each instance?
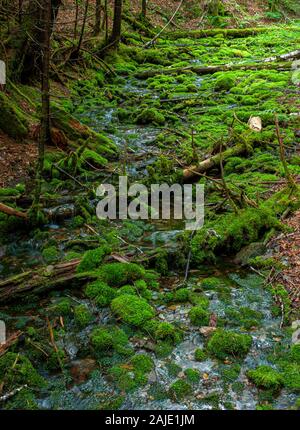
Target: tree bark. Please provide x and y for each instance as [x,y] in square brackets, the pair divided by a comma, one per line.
[117,22]
[193,172]
[97,27]
[76,52]
[144,9]
[45,135]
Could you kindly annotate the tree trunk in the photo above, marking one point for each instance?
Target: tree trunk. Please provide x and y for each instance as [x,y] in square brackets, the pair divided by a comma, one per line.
[27,62]
[144,9]
[97,18]
[76,18]
[45,136]
[116,31]
[76,52]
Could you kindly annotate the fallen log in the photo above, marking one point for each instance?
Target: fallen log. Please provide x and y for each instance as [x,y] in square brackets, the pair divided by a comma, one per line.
[44,279]
[226,32]
[11,211]
[210,70]
[192,172]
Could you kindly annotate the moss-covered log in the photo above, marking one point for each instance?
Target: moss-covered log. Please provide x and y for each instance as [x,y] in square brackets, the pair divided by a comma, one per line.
[193,171]
[210,70]
[45,279]
[12,121]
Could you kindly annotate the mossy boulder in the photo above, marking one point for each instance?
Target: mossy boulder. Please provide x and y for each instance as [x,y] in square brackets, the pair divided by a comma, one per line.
[150,116]
[224,344]
[167,332]
[50,254]
[224,83]
[182,295]
[192,375]
[12,120]
[199,316]
[82,315]
[179,390]
[93,258]
[106,339]
[266,377]
[17,370]
[119,274]
[132,309]
[101,293]
[199,354]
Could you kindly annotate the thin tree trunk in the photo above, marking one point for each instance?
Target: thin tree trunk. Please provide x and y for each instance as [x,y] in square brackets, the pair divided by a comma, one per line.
[144,9]
[76,52]
[45,136]
[76,18]
[116,31]
[106,20]
[97,18]
[20,11]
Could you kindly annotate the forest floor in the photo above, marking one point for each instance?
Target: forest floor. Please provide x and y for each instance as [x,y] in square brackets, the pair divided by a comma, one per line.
[111,321]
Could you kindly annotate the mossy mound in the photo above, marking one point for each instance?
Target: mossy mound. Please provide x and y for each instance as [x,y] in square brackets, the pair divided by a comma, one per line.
[192,375]
[17,370]
[107,339]
[93,258]
[179,390]
[266,377]
[224,344]
[199,316]
[82,315]
[200,355]
[132,309]
[12,120]
[119,274]
[150,116]
[167,332]
[101,293]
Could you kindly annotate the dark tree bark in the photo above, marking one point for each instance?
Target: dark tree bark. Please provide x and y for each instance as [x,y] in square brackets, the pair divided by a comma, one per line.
[27,62]
[44,137]
[117,22]
[77,50]
[144,9]
[98,18]
[76,18]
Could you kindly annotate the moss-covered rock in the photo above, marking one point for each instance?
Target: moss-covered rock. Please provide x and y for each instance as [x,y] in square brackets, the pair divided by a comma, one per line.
[106,339]
[132,310]
[266,377]
[179,390]
[50,254]
[225,344]
[82,315]
[199,316]
[200,355]
[224,83]
[12,120]
[17,370]
[150,116]
[93,258]
[167,332]
[192,375]
[119,274]
[101,293]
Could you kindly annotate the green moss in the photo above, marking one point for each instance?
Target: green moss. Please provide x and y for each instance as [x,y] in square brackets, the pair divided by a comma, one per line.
[12,120]
[167,332]
[101,293]
[230,373]
[17,370]
[119,274]
[56,359]
[266,377]
[179,390]
[295,353]
[291,376]
[77,222]
[132,310]
[50,254]
[173,368]
[211,283]
[192,375]
[142,363]
[105,340]
[61,308]
[24,400]
[244,317]
[150,116]
[93,258]
[224,83]
[182,295]
[199,316]
[82,315]
[200,355]
[225,344]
